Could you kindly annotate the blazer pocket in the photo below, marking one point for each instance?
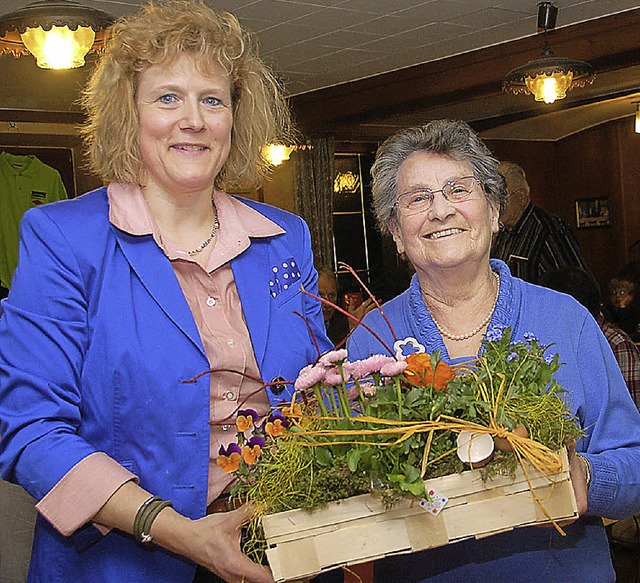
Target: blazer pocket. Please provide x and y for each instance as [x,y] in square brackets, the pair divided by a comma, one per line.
[284,280]
[287,295]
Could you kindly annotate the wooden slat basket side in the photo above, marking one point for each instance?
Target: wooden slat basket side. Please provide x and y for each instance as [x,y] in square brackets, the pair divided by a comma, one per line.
[303,544]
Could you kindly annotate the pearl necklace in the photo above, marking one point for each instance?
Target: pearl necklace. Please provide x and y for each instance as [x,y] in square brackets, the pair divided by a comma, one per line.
[216,224]
[479,326]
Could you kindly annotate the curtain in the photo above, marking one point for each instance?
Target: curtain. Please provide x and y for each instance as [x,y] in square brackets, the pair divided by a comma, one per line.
[314,195]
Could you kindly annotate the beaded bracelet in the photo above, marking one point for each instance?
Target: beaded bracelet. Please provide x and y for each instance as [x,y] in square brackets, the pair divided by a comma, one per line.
[586,467]
[145,516]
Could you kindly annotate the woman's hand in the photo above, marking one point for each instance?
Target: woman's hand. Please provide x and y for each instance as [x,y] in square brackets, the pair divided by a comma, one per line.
[220,537]
[214,543]
[579,482]
[578,478]
[359,311]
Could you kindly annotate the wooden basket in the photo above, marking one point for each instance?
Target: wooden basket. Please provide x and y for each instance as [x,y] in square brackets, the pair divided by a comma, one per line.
[354,530]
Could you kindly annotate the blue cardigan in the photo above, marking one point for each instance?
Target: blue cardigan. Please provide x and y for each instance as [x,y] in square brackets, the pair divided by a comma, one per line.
[597,394]
[96,338]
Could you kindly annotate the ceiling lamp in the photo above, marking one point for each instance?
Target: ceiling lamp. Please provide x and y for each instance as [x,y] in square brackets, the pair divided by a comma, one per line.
[549,77]
[58,33]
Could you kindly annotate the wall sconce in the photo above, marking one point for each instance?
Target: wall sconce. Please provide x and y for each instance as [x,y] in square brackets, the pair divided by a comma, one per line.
[549,77]
[637,104]
[277,153]
[58,33]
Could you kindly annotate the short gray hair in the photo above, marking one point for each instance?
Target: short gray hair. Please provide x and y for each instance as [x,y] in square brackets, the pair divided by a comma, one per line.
[451,138]
[515,176]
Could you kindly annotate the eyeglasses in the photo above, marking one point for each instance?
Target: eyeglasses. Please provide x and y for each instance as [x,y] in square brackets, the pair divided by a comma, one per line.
[420,200]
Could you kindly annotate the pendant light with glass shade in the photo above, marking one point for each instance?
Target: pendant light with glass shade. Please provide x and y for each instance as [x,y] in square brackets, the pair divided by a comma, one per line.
[58,33]
[549,77]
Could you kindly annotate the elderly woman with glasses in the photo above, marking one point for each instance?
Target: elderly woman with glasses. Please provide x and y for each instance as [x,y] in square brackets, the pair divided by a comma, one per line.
[125,293]
[438,192]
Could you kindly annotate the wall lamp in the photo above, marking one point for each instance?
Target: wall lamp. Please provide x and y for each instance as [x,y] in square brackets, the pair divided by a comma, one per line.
[58,33]
[277,153]
[549,77]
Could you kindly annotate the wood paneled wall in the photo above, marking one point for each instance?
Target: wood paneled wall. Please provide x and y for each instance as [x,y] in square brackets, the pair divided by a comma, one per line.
[599,162]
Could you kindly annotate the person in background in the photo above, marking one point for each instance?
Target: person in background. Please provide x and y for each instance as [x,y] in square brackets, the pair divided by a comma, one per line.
[337,324]
[583,287]
[532,241]
[124,296]
[438,192]
[624,304]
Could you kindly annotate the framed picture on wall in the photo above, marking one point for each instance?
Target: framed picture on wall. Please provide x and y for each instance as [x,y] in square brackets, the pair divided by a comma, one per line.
[592,212]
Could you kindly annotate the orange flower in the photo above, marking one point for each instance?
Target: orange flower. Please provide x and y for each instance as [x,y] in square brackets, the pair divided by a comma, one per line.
[229,463]
[293,412]
[251,454]
[420,372]
[244,422]
[275,428]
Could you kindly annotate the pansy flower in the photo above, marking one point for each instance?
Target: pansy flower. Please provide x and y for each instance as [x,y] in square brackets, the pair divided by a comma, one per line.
[276,425]
[246,419]
[252,451]
[229,459]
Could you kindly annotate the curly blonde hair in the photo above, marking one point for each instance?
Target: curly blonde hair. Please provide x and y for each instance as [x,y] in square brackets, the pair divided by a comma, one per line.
[158,34]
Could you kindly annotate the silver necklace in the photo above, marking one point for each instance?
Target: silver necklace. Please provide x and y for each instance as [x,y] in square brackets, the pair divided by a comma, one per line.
[216,224]
[479,327]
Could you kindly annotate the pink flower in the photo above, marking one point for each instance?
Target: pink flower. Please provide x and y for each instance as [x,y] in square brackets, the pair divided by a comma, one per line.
[353,393]
[393,368]
[363,368]
[368,389]
[333,357]
[309,376]
[333,376]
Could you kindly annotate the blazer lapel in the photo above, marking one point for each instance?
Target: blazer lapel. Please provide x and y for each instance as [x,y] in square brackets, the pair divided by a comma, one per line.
[251,274]
[157,276]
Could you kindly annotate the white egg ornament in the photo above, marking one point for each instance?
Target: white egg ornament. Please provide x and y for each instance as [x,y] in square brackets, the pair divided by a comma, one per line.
[475,449]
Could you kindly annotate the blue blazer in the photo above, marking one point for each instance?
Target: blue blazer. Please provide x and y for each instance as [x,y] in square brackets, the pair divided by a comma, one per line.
[96,339]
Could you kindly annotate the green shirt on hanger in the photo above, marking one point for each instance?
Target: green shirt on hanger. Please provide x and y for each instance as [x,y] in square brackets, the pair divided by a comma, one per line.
[25,182]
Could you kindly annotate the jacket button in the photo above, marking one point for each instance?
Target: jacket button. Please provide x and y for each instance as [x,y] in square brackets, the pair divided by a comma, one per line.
[279,387]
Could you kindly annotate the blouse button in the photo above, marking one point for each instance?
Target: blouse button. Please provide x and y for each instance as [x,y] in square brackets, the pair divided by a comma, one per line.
[229,396]
[211,302]
[225,427]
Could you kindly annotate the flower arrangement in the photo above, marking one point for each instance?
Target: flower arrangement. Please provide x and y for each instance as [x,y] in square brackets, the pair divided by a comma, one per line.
[383,425]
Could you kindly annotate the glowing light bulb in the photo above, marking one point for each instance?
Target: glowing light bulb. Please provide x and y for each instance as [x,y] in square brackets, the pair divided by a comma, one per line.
[276,154]
[549,93]
[60,47]
[549,87]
